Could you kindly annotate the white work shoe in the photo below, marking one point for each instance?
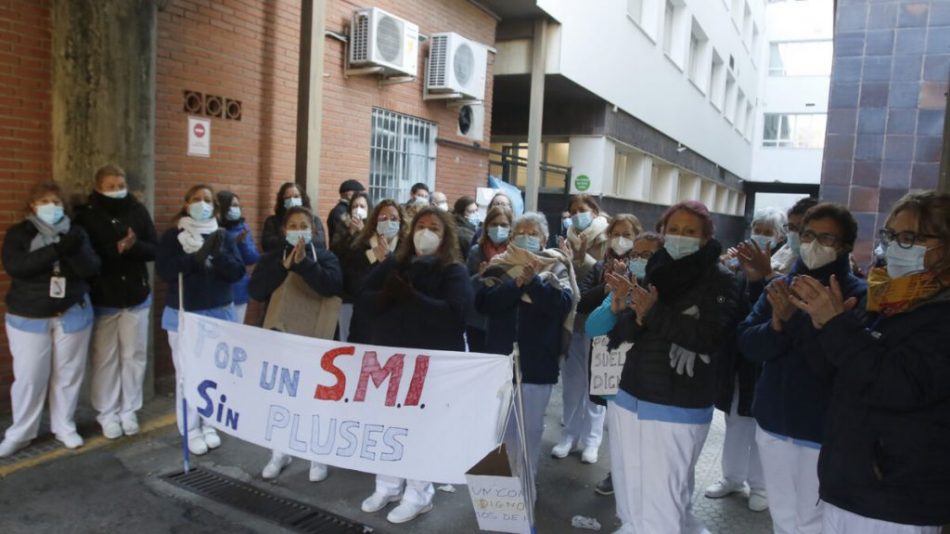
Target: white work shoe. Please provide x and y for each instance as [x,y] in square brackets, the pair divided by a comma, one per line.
[723,488]
[318,472]
[758,501]
[276,464]
[563,448]
[377,501]
[112,430]
[589,456]
[211,437]
[407,511]
[130,425]
[196,444]
[9,447]
[71,440]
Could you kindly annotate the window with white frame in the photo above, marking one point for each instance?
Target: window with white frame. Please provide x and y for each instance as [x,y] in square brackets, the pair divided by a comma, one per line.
[749,120]
[747,26]
[402,152]
[698,57]
[669,18]
[799,130]
[800,58]
[717,81]
[635,10]
[729,108]
[740,111]
[676,32]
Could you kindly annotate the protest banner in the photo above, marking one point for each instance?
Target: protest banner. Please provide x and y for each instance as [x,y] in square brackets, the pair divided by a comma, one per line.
[421,414]
[606,366]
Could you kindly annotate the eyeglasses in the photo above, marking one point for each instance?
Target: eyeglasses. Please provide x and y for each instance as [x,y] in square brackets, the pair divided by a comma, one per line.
[828,240]
[645,255]
[903,239]
[792,227]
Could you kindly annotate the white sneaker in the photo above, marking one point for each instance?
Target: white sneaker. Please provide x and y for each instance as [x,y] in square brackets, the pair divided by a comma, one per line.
[211,437]
[724,487]
[276,464]
[589,456]
[197,445]
[112,430]
[377,501]
[130,425]
[758,501]
[9,447]
[71,440]
[407,511]
[563,448]
[318,472]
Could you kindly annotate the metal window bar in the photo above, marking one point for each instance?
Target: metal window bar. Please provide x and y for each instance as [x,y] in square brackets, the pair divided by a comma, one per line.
[402,152]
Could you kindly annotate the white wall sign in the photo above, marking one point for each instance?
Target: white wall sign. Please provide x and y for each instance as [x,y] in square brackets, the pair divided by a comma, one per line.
[606,366]
[199,137]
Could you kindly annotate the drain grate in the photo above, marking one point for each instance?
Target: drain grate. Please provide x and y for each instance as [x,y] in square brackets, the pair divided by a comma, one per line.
[288,513]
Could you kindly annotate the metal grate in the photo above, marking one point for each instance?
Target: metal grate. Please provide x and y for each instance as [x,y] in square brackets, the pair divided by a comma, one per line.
[389,39]
[359,41]
[438,51]
[290,514]
[402,152]
[463,63]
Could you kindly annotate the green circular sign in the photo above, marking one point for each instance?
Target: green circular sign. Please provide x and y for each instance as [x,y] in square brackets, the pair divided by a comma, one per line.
[582,183]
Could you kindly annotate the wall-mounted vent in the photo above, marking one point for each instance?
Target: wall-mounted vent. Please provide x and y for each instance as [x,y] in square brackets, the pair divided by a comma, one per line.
[197,103]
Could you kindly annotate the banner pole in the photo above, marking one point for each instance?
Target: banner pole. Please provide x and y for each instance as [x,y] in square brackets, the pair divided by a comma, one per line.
[181,380]
[528,483]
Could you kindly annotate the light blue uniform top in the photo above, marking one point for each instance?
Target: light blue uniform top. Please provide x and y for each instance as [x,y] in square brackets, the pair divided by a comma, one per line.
[77,318]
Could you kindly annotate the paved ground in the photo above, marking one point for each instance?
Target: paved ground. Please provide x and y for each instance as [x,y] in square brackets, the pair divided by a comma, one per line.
[114,486]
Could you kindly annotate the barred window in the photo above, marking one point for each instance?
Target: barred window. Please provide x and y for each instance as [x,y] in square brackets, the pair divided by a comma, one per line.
[402,152]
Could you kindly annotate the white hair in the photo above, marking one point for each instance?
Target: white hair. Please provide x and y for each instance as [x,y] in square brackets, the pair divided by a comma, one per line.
[770,216]
[537,220]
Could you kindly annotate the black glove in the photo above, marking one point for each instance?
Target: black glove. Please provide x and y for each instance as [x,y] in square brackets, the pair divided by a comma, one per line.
[68,243]
[396,290]
[209,248]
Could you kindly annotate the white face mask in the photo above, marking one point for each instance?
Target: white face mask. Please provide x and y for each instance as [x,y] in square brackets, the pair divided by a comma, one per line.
[444,206]
[426,242]
[621,245]
[764,242]
[815,255]
[360,213]
[118,194]
[679,246]
[904,261]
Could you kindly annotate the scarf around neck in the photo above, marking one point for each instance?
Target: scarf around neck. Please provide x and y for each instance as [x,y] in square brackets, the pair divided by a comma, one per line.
[891,296]
[596,236]
[672,278]
[192,233]
[46,234]
[555,269]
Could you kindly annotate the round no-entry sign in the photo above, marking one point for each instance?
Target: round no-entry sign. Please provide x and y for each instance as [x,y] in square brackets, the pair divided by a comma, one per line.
[199,130]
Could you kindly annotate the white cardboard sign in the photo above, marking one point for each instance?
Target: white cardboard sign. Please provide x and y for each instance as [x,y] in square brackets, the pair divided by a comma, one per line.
[199,137]
[606,366]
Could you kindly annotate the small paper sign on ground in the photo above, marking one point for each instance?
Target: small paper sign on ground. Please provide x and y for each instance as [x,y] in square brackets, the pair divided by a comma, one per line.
[606,366]
[497,497]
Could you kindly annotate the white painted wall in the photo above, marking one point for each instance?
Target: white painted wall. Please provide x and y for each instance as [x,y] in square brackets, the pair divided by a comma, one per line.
[592,157]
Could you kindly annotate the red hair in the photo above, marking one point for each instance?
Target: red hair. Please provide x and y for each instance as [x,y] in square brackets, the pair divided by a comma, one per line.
[694,207]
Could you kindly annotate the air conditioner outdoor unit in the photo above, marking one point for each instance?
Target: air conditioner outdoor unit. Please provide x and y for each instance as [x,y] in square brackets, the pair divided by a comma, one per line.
[379,39]
[456,65]
[471,121]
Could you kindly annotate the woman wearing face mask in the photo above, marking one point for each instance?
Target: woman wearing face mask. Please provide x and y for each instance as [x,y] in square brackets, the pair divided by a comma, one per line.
[208,261]
[500,200]
[676,319]
[467,223]
[49,317]
[348,230]
[492,243]
[740,455]
[417,299]
[232,220]
[288,196]
[794,390]
[528,295]
[321,277]
[123,235]
[883,465]
[382,233]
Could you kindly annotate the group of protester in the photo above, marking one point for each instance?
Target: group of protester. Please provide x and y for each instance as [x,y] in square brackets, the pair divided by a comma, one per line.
[835,389]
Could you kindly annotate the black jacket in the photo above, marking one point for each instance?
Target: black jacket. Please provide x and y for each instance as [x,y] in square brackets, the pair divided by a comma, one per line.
[335,218]
[733,369]
[28,295]
[466,231]
[693,283]
[272,236]
[887,436]
[206,286]
[322,273]
[123,280]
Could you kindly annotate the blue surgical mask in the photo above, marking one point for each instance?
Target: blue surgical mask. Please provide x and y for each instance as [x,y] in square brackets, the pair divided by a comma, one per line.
[387,229]
[234,213]
[498,234]
[764,241]
[582,220]
[292,202]
[795,242]
[293,237]
[638,268]
[679,246]
[528,242]
[200,211]
[50,213]
[566,223]
[120,194]
[904,261]
[473,219]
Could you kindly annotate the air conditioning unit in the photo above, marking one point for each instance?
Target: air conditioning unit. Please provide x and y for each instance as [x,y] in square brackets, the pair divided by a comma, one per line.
[456,66]
[471,121]
[379,39]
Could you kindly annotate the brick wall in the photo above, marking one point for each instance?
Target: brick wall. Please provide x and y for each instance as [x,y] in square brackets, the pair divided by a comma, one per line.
[25,124]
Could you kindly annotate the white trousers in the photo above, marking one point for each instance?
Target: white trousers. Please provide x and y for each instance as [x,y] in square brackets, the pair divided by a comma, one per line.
[653,468]
[583,420]
[838,521]
[45,364]
[791,480]
[536,398]
[194,420]
[119,357]
[277,456]
[346,315]
[240,312]
[417,492]
[740,453]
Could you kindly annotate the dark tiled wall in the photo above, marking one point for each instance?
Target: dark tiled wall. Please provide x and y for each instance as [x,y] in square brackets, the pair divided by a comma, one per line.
[887,106]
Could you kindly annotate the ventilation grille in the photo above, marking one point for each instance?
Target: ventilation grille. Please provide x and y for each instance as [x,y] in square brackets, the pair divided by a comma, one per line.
[359,45]
[389,39]
[463,63]
[438,52]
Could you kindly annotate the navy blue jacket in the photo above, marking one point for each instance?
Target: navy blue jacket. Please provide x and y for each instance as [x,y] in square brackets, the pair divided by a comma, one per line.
[322,274]
[794,389]
[538,327]
[206,287]
[249,255]
[887,437]
[430,314]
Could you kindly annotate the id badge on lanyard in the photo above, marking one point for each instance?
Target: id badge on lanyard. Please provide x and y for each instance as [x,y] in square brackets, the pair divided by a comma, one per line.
[57,283]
